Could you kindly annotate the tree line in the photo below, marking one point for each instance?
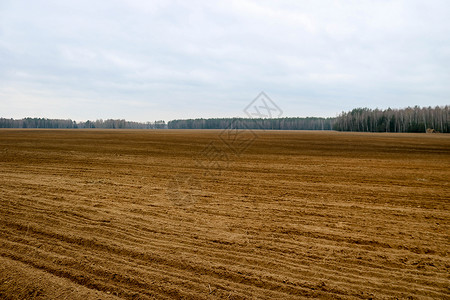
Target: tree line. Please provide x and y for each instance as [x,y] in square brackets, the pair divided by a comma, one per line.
[310,123]
[410,119]
[61,123]
[217,123]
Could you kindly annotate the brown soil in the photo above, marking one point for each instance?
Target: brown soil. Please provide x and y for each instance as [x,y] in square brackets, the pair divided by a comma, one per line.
[99,214]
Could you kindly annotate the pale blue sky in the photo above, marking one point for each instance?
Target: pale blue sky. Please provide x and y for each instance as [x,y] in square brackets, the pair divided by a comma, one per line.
[151,60]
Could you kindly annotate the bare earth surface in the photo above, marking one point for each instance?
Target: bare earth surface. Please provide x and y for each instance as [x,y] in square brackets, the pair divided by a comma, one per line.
[109,214]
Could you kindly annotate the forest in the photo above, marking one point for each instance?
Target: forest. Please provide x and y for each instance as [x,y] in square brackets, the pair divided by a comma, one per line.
[247,123]
[410,119]
[61,123]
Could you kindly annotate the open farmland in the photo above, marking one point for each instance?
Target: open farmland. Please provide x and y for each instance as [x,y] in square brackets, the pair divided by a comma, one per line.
[107,214]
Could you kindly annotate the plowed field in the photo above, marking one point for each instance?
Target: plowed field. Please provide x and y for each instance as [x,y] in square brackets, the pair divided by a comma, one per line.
[108,214]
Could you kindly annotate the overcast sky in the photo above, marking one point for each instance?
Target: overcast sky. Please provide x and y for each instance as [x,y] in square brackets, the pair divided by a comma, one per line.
[151,60]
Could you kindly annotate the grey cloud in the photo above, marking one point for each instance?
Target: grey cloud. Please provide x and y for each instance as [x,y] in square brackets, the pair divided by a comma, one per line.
[144,60]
